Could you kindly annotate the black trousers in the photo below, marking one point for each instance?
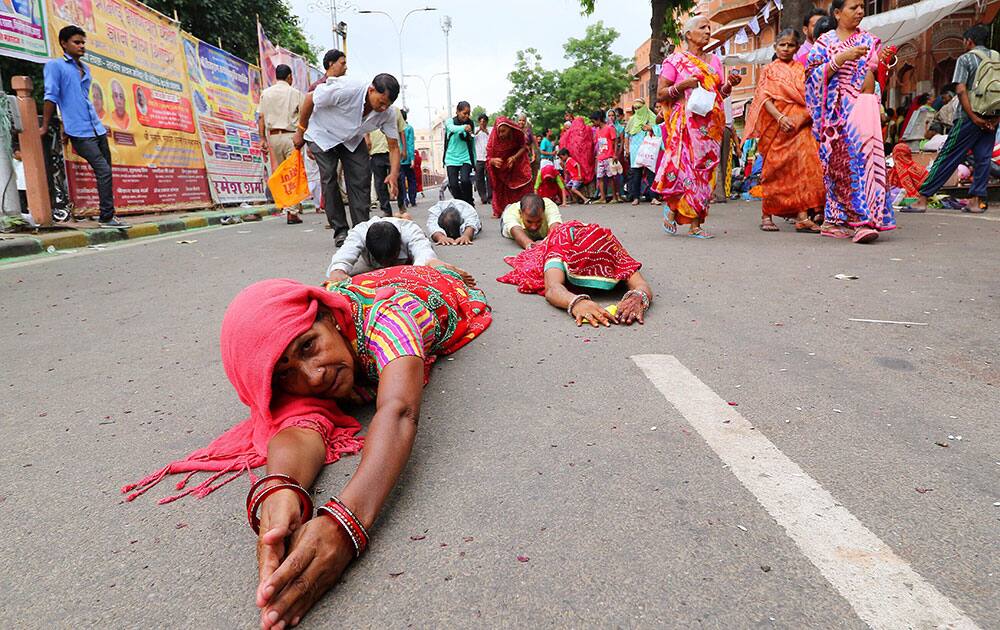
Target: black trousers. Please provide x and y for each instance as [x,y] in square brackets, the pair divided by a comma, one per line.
[639,180]
[357,176]
[460,183]
[380,169]
[407,186]
[97,153]
[483,183]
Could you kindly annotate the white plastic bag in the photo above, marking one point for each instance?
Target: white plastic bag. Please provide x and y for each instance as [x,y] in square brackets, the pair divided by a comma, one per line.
[648,152]
[701,101]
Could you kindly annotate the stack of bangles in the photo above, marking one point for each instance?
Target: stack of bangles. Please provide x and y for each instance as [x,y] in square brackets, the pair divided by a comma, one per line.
[673,92]
[834,66]
[727,89]
[334,508]
[255,498]
[576,300]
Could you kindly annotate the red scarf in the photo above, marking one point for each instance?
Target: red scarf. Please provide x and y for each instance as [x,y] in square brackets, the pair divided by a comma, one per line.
[256,329]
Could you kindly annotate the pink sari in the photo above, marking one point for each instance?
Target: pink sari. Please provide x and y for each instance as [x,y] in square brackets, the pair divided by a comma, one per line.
[686,174]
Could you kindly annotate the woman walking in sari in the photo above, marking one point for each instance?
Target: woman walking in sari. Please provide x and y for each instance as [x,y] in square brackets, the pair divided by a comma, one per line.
[792,177]
[840,92]
[691,140]
[578,139]
[508,165]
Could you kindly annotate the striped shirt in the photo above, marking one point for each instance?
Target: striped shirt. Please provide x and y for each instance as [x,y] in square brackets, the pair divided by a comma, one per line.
[400,326]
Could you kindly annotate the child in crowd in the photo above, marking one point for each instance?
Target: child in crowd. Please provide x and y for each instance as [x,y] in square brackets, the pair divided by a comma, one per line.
[550,185]
[573,174]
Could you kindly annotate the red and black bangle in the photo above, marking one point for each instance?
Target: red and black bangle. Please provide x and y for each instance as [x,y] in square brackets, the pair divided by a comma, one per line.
[336,510]
[254,499]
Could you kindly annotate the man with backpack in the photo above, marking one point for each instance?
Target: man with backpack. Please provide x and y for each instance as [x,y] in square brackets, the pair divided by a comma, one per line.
[977,79]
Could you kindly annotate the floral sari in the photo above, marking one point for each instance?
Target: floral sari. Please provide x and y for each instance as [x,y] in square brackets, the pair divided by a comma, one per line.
[846,123]
[792,177]
[686,174]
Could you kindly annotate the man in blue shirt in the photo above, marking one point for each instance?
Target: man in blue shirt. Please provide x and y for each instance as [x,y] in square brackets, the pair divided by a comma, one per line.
[407,176]
[67,85]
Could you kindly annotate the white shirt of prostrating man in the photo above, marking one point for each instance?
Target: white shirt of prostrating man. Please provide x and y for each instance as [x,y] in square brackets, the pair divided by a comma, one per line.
[470,218]
[416,248]
[338,116]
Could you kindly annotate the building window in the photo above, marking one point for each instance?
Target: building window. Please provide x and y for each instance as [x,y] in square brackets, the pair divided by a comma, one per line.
[873,6]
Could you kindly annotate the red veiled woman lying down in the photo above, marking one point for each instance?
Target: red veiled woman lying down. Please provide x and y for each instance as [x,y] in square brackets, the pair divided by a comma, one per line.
[292,352]
[588,256]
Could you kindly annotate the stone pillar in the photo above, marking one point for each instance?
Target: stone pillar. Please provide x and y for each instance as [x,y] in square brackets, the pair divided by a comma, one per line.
[32,154]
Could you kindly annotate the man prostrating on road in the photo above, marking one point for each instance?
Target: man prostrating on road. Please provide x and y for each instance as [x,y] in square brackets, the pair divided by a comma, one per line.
[335,136]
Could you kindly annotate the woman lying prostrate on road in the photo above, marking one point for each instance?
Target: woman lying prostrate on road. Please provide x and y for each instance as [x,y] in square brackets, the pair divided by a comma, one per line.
[293,352]
[587,256]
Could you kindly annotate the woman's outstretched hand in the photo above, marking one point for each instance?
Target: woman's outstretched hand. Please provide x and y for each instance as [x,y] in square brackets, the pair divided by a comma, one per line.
[280,516]
[319,553]
[630,310]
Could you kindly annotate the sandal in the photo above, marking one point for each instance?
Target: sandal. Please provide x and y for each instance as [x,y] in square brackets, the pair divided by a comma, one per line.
[982,207]
[700,233]
[669,225]
[767,225]
[807,226]
[836,231]
[865,235]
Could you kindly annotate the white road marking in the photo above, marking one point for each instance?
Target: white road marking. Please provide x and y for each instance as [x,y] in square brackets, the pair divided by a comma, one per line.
[881,587]
[887,321]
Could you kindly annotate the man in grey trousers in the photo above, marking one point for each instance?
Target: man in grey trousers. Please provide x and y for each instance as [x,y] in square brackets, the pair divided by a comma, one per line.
[331,128]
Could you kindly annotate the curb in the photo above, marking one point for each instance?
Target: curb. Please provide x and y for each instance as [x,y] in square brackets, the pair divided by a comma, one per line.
[30,245]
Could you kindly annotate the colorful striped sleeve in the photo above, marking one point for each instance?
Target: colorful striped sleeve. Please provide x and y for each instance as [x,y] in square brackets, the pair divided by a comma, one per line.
[399,326]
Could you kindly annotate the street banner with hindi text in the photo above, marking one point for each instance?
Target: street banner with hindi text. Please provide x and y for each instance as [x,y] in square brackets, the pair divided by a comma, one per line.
[22,30]
[226,91]
[140,92]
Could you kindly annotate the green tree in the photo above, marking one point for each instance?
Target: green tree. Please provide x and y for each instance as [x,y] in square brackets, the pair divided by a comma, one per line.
[232,22]
[479,109]
[594,80]
[662,27]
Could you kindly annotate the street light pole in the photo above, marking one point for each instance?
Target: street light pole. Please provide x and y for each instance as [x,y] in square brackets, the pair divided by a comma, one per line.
[399,36]
[427,94]
[446,27]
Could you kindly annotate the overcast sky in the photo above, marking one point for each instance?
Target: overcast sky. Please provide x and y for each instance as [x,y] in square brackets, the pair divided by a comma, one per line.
[484,39]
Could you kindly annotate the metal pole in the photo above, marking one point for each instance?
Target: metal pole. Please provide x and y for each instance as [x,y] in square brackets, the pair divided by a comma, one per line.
[446,27]
[402,77]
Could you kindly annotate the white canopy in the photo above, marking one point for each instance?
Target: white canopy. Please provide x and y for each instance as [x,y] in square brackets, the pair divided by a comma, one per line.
[892,27]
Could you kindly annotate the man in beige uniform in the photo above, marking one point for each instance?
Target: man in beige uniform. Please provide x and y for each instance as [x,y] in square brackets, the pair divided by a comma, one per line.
[277,117]
[378,150]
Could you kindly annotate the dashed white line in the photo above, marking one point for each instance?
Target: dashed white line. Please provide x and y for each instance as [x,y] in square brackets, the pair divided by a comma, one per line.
[882,588]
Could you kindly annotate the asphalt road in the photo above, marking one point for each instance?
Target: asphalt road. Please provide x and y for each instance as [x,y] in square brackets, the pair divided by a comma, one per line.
[537,440]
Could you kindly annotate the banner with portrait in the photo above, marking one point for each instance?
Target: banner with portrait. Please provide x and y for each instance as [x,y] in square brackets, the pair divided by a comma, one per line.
[140,92]
[272,56]
[22,30]
[226,90]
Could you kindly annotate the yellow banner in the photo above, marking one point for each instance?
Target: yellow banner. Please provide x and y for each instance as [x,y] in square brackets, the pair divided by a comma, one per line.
[140,91]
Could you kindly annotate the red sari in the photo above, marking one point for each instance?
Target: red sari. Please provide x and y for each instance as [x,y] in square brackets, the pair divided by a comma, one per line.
[509,184]
[906,173]
[792,176]
[579,141]
[588,253]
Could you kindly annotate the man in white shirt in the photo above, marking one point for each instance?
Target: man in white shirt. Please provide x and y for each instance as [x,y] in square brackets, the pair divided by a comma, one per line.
[482,138]
[342,114]
[453,222]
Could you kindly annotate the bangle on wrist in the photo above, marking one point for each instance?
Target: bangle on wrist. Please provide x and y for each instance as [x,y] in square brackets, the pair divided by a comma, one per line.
[576,300]
[255,498]
[339,512]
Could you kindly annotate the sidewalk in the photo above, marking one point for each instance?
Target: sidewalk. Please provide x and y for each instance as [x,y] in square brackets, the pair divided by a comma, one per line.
[77,234]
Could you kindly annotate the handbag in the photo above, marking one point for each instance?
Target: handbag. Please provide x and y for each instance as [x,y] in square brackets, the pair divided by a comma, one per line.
[648,152]
[700,102]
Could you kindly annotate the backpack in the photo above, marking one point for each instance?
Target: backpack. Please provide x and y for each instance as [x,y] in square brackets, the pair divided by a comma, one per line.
[984,98]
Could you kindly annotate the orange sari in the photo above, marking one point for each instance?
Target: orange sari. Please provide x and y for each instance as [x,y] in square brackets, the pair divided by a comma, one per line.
[792,177]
